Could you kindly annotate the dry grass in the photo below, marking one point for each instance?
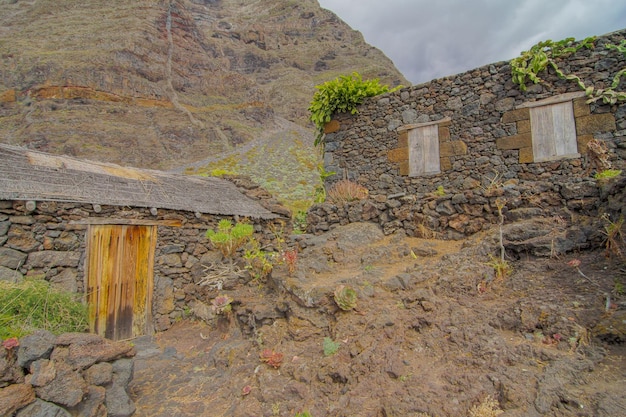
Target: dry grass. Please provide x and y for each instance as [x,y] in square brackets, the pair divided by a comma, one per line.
[345,191]
[489,407]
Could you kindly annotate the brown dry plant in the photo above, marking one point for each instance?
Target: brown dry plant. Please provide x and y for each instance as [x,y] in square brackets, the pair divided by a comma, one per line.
[614,236]
[345,191]
[489,407]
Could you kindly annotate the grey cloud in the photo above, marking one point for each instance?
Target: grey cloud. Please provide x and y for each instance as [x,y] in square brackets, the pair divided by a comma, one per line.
[432,39]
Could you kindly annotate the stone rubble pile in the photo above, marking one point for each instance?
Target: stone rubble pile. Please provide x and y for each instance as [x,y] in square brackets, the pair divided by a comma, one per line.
[74,374]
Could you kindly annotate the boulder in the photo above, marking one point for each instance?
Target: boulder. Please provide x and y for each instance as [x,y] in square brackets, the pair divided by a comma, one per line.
[42,372]
[10,275]
[99,374]
[14,397]
[41,408]
[36,346]
[84,350]
[67,388]
[92,404]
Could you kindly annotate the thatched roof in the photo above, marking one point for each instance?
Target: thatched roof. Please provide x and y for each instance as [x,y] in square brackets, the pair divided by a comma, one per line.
[32,175]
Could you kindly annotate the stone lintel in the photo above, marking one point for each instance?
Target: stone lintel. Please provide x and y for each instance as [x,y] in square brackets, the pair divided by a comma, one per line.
[559,98]
[446,121]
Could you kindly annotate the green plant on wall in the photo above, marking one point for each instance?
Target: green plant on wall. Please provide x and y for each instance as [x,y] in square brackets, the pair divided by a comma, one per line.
[228,238]
[320,190]
[341,95]
[530,63]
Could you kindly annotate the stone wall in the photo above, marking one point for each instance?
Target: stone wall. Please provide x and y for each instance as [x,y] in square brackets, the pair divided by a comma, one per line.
[74,374]
[485,152]
[47,241]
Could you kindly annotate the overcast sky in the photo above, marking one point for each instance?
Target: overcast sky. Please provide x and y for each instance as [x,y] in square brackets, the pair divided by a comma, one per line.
[428,39]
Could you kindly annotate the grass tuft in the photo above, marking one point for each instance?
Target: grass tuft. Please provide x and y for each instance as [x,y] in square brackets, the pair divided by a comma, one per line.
[33,304]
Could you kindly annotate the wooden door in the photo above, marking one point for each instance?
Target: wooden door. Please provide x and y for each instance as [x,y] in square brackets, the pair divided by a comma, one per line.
[119,279]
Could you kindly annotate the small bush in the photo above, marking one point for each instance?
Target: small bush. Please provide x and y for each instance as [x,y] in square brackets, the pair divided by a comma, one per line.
[501,267]
[259,263]
[228,238]
[607,174]
[345,191]
[34,304]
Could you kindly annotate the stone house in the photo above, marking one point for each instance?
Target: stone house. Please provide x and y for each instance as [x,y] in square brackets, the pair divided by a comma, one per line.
[440,156]
[130,240]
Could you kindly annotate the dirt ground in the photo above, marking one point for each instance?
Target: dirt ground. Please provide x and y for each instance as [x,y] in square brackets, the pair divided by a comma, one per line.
[434,333]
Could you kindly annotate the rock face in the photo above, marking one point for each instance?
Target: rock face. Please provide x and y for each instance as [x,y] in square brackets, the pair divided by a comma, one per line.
[72,374]
[159,84]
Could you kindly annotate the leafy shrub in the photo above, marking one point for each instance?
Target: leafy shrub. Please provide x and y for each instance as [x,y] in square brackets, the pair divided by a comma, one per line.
[341,95]
[299,221]
[228,238]
[538,58]
[530,63]
[259,263]
[501,267]
[345,191]
[34,304]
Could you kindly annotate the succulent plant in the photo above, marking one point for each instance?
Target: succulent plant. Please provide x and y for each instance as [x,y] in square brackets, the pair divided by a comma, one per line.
[273,359]
[345,297]
[221,304]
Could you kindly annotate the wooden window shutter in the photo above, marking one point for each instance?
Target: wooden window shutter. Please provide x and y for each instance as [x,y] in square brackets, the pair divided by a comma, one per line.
[553,132]
[424,150]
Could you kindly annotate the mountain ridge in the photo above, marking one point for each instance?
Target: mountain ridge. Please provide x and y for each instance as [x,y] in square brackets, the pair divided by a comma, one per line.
[165,84]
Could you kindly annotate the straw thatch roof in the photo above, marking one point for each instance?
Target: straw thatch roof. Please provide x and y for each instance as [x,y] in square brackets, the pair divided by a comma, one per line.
[32,175]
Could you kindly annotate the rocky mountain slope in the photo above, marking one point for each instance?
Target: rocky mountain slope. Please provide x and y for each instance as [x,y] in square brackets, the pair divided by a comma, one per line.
[161,84]
[434,333]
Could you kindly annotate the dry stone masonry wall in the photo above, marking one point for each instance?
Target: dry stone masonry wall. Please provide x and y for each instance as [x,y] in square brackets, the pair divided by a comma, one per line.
[473,143]
[74,374]
[48,240]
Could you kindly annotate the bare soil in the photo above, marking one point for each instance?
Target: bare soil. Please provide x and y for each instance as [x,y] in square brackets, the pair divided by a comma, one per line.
[434,334]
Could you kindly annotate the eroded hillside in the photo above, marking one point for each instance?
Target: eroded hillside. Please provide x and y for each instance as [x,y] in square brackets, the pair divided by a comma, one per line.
[164,83]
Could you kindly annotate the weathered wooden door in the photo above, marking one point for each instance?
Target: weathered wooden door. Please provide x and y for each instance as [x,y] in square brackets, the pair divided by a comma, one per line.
[120,262]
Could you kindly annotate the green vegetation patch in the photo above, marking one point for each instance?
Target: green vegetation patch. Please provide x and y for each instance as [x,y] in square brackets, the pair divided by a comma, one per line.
[341,95]
[33,304]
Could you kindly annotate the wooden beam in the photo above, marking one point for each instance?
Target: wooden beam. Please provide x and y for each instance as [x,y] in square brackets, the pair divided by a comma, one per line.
[552,100]
[133,222]
[416,125]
